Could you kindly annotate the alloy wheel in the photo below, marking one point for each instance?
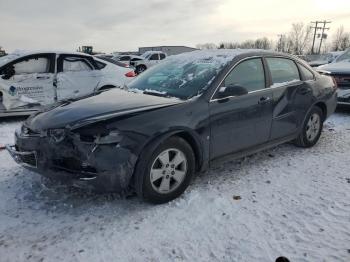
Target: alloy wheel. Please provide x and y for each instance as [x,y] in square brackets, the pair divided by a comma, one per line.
[168,171]
[313,127]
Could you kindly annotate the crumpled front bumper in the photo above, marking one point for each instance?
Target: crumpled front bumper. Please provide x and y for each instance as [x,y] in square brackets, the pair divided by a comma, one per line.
[102,168]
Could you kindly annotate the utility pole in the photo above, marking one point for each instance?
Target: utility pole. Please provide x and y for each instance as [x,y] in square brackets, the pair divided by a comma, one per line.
[323,35]
[279,45]
[313,41]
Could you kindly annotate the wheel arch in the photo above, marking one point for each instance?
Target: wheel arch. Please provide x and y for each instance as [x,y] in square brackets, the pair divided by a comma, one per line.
[323,107]
[155,141]
[188,135]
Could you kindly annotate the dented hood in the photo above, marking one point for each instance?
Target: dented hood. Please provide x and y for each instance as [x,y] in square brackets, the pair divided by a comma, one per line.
[103,106]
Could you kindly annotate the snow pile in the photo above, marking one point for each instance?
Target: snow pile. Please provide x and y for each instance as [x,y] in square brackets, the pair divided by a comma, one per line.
[286,201]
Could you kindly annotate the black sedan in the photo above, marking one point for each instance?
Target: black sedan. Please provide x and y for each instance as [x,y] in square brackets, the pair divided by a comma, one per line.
[174,119]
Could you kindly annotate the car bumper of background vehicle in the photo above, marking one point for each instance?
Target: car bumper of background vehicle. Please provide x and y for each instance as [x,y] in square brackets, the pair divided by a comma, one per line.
[107,168]
[343,96]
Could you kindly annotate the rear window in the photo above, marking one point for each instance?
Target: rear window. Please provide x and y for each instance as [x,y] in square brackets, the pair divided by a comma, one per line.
[100,65]
[76,64]
[308,75]
[282,70]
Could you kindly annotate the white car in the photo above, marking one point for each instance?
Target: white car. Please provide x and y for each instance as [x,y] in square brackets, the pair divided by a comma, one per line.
[149,59]
[127,59]
[29,80]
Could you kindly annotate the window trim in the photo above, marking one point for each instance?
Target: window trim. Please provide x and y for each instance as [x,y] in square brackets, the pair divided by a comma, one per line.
[212,99]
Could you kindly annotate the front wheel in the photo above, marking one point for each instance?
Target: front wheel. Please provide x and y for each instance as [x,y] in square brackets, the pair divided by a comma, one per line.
[165,173]
[312,128]
[140,69]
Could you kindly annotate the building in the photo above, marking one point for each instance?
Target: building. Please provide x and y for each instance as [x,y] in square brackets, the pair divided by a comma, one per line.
[169,50]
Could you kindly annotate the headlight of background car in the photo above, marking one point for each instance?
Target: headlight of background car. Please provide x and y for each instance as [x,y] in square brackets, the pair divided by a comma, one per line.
[113,137]
[57,135]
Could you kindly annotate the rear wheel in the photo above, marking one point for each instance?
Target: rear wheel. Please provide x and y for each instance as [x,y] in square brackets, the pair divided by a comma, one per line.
[165,173]
[312,128]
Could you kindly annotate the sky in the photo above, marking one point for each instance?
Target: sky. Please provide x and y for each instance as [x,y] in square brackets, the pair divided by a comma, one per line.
[115,25]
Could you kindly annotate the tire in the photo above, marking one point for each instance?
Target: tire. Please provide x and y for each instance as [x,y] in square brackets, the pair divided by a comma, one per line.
[159,181]
[140,69]
[309,135]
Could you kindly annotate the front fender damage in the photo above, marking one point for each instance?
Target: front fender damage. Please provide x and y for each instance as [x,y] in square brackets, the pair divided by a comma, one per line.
[101,168]
[113,165]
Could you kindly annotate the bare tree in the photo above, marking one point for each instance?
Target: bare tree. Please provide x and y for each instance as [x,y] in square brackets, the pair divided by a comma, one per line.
[206,46]
[299,38]
[341,40]
[263,43]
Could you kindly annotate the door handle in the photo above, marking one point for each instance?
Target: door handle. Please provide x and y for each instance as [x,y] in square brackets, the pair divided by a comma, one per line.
[264,100]
[42,77]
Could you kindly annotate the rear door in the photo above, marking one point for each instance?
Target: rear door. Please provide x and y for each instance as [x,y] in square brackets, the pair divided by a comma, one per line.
[240,122]
[290,94]
[77,76]
[31,83]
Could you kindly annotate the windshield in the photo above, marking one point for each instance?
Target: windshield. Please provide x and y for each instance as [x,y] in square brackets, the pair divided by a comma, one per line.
[344,56]
[182,76]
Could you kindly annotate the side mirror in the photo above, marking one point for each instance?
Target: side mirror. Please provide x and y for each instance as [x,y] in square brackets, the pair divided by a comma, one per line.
[232,90]
[8,72]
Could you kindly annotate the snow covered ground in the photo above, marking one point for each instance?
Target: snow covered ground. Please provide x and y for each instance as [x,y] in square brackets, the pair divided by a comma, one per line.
[286,201]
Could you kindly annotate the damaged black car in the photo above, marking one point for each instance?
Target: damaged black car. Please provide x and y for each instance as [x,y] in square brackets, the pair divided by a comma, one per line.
[174,119]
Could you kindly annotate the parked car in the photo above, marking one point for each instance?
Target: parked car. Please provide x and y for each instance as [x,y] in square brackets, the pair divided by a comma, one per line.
[318,60]
[340,71]
[149,59]
[174,119]
[29,80]
[127,59]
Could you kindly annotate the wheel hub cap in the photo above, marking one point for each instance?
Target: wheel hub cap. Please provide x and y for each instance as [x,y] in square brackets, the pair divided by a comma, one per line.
[313,127]
[168,171]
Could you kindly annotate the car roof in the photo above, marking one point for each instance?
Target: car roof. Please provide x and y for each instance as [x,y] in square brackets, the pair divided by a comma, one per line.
[224,56]
[20,53]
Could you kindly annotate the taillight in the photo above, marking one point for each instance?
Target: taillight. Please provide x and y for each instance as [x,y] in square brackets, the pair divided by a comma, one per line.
[334,82]
[130,74]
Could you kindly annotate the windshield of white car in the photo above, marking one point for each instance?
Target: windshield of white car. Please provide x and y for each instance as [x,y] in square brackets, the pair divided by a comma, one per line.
[343,57]
[182,77]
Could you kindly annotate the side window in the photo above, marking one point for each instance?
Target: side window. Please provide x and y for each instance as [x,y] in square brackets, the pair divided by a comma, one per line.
[249,74]
[162,56]
[154,57]
[100,65]
[76,64]
[282,70]
[32,65]
[308,75]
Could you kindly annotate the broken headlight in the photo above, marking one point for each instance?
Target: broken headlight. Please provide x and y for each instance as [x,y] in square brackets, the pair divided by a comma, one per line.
[57,135]
[113,137]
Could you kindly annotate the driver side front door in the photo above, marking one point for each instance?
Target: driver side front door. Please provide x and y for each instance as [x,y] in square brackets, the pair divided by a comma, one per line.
[240,122]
